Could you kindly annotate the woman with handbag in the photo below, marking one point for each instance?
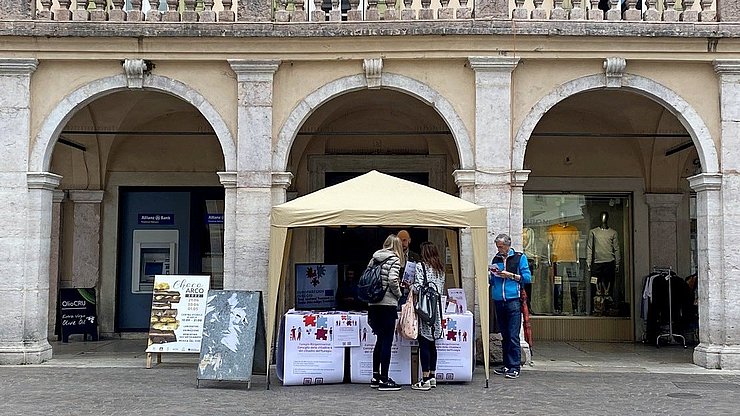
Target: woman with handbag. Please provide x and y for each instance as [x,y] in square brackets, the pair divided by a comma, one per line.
[430,276]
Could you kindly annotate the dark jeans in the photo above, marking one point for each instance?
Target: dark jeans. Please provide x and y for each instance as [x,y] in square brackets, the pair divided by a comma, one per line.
[428,355]
[382,319]
[509,315]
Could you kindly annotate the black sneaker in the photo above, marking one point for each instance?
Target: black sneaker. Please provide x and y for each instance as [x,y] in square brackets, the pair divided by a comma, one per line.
[375,382]
[512,373]
[500,371]
[388,385]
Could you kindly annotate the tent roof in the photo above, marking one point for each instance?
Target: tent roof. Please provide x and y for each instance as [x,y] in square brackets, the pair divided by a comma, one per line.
[378,199]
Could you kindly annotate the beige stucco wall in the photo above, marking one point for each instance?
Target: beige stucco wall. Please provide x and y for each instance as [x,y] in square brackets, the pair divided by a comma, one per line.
[54,80]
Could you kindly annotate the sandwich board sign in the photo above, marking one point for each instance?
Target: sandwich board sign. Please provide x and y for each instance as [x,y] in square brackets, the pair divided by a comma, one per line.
[233,346]
[178,308]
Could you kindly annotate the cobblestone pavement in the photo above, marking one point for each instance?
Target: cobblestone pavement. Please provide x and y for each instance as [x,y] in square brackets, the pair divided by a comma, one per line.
[170,389]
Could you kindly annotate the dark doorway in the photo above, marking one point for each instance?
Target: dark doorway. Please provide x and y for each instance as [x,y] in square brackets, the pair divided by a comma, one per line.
[352,247]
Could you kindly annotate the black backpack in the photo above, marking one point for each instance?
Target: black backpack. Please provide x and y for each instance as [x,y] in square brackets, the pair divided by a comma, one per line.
[370,288]
[429,301]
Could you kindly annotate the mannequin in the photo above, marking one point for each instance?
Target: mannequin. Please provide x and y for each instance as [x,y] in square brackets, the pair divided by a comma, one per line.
[602,258]
[563,245]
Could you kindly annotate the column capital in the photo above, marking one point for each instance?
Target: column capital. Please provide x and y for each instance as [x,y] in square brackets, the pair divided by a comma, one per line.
[663,200]
[254,70]
[84,196]
[706,182]
[18,66]
[58,196]
[492,63]
[464,177]
[228,179]
[282,179]
[43,180]
[727,66]
[520,177]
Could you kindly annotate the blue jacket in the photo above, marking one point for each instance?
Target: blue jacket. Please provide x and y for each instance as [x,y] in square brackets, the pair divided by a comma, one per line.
[507,289]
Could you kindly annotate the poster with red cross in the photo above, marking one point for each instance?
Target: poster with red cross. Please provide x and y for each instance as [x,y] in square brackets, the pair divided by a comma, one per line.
[455,349]
[309,357]
[361,358]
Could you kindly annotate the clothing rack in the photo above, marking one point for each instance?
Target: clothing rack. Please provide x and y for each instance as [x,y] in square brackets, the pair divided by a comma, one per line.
[667,272]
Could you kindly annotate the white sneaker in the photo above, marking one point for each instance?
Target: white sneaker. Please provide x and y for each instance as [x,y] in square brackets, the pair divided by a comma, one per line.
[433,382]
[421,385]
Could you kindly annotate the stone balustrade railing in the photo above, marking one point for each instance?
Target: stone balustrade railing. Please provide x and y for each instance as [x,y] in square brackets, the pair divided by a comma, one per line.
[225,10]
[375,10]
[628,10]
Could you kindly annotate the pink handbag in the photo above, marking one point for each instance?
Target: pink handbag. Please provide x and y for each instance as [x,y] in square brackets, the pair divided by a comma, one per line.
[408,326]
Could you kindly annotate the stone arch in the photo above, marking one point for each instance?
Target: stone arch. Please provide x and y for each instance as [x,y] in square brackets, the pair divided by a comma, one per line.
[659,93]
[40,159]
[401,83]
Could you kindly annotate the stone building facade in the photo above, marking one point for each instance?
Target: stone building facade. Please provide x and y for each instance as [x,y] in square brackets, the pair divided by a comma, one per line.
[111,110]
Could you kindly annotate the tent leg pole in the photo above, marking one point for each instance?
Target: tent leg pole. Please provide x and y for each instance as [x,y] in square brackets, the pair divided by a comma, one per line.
[486,383]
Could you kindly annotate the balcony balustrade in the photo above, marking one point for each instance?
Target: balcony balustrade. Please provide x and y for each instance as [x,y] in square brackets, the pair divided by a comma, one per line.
[286,11]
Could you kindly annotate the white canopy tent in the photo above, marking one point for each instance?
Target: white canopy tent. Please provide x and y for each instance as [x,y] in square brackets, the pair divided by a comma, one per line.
[377,199]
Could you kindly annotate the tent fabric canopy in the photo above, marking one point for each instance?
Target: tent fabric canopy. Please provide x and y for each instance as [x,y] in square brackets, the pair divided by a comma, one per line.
[377,199]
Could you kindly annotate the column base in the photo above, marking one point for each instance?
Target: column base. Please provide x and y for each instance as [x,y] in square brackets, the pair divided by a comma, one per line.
[707,355]
[725,357]
[12,353]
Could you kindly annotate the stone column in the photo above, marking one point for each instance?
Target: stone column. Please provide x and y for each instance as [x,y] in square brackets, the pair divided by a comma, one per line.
[493,141]
[280,183]
[24,287]
[518,180]
[709,244]
[54,256]
[465,180]
[254,11]
[86,237]
[254,173]
[228,180]
[728,11]
[725,324]
[663,213]
[17,9]
[487,9]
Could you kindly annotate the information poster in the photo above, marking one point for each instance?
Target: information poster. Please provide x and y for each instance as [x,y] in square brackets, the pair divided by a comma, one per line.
[233,342]
[456,297]
[361,358]
[309,357]
[178,310]
[346,330]
[316,286]
[455,349]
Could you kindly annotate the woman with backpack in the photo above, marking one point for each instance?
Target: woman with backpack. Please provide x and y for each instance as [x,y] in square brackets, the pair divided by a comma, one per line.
[381,315]
[430,276]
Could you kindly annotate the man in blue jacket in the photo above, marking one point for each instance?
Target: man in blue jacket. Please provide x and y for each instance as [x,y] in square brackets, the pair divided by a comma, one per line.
[509,270]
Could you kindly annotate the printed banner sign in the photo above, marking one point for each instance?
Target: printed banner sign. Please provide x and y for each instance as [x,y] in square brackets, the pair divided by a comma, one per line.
[316,286]
[361,358]
[233,344]
[308,354]
[455,349]
[178,310]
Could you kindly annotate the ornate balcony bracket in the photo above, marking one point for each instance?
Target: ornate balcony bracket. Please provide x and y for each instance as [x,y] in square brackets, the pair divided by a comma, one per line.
[373,72]
[135,69]
[614,69]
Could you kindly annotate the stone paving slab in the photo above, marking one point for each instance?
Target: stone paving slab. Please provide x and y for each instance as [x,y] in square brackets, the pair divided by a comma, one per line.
[170,389]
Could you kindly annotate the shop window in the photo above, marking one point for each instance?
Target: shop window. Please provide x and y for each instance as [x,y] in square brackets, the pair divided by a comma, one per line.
[578,247]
